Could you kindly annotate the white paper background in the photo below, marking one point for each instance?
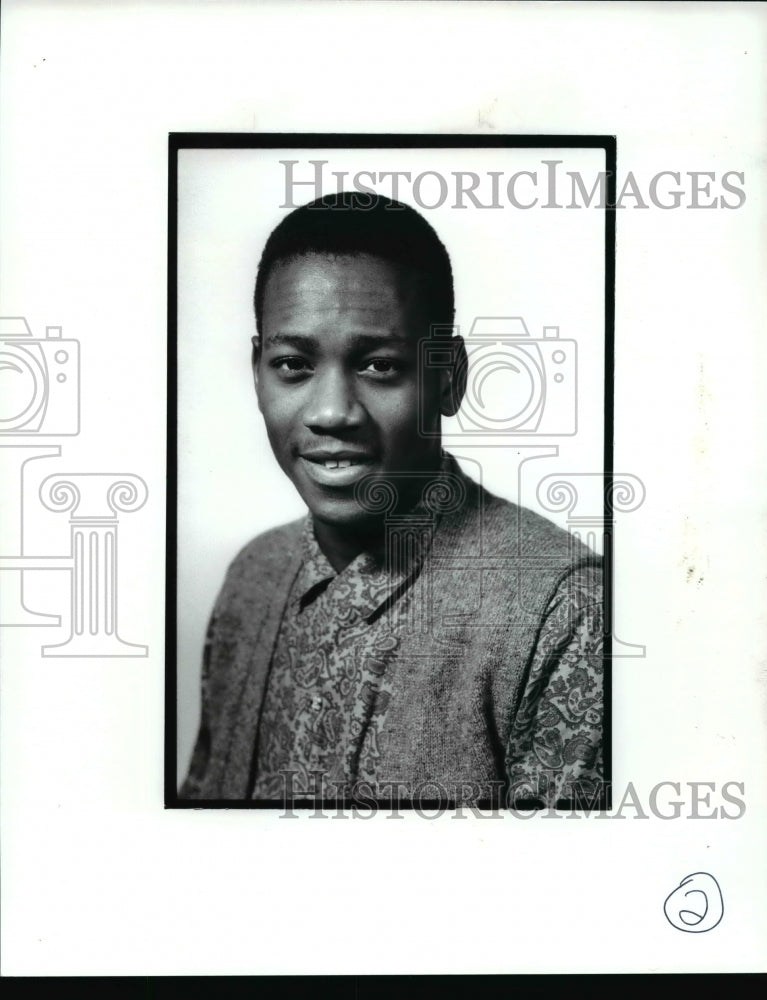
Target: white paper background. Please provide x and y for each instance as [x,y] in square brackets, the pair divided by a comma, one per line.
[97,877]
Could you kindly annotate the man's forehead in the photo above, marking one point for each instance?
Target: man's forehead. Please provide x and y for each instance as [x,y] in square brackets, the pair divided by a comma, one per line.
[318,284]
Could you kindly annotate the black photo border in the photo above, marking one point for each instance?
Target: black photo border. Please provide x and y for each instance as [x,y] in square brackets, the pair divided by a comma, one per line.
[320,140]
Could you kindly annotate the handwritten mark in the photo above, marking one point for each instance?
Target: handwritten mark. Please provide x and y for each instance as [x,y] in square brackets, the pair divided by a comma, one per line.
[696,905]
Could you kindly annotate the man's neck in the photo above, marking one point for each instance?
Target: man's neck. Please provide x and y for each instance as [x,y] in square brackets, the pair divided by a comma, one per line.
[341,544]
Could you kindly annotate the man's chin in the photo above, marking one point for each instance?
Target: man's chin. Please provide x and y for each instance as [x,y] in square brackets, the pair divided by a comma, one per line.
[344,515]
[364,504]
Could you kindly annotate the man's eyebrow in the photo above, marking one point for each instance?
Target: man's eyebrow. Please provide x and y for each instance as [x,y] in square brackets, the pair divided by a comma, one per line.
[300,340]
[383,339]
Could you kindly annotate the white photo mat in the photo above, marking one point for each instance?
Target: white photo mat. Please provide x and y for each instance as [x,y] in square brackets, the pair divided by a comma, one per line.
[98,877]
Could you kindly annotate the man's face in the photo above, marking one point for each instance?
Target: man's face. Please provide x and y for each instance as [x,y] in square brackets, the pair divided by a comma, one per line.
[337,379]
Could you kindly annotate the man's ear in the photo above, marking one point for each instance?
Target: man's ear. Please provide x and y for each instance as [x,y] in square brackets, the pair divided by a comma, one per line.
[255,356]
[454,379]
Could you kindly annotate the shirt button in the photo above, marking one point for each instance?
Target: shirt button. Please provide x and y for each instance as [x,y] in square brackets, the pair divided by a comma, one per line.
[316,703]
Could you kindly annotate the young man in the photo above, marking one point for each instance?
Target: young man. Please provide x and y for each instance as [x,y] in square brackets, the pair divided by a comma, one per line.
[413,636]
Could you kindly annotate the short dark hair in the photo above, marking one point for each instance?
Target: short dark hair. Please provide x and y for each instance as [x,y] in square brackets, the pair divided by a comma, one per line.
[351,223]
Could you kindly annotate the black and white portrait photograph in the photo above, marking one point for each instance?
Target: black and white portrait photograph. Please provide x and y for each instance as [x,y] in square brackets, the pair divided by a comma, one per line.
[382,453]
[391,419]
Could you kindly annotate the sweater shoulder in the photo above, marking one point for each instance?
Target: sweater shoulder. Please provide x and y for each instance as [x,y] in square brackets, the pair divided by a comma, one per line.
[265,557]
[508,527]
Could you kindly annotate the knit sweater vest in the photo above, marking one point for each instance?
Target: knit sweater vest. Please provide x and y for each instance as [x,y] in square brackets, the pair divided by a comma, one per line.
[484,587]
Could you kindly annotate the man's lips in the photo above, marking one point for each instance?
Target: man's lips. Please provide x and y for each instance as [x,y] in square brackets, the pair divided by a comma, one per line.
[342,458]
[335,467]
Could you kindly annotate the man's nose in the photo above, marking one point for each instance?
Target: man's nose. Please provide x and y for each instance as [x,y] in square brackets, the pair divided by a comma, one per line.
[333,403]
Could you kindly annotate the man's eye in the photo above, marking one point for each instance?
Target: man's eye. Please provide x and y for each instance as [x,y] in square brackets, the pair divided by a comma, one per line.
[383,366]
[291,367]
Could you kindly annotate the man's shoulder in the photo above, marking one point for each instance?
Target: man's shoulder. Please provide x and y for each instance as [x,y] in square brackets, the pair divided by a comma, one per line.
[505,528]
[511,522]
[267,555]
[507,560]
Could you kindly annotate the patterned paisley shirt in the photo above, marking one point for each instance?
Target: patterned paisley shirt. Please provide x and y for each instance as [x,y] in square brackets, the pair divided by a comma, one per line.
[335,662]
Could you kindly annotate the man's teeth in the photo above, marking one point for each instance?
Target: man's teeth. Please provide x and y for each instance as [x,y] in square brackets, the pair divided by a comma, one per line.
[338,463]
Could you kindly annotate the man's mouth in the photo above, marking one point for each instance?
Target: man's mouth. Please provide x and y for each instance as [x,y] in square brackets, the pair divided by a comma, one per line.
[339,463]
[336,459]
[341,468]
